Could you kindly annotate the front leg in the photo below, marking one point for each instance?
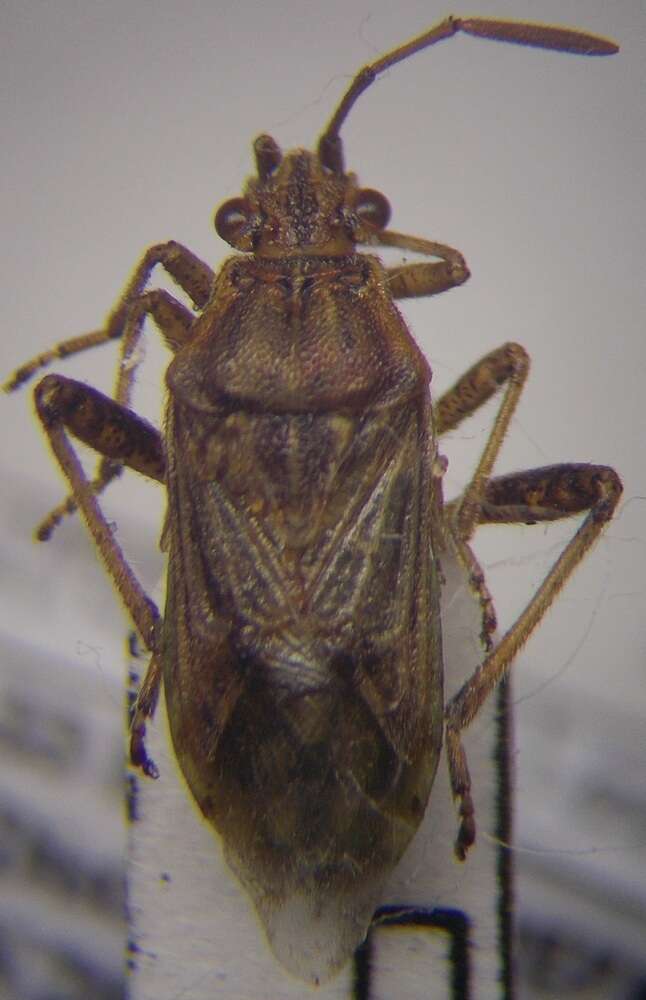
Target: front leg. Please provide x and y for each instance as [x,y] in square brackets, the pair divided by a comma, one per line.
[418,280]
[126,323]
[175,323]
[192,275]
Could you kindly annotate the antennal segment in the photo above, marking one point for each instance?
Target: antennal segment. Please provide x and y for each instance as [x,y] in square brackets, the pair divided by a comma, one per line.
[542,36]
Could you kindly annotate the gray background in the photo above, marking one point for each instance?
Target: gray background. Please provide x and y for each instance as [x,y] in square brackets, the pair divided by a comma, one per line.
[125,125]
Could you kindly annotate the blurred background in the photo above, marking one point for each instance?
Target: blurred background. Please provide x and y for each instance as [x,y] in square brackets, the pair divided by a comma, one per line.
[125,125]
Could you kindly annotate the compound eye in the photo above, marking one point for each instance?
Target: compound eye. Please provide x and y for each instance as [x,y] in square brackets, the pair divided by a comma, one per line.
[372,208]
[233,223]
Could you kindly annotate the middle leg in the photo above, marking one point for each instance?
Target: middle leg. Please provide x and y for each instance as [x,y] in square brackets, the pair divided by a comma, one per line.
[537,495]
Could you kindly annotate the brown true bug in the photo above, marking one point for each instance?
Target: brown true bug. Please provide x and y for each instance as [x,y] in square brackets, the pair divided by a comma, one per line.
[301,646]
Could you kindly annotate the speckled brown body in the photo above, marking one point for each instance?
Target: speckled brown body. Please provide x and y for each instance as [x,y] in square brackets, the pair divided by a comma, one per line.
[301,648]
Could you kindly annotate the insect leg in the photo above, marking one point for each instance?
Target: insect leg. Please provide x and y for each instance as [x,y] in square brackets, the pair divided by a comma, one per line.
[190,273]
[507,365]
[414,280]
[125,323]
[144,709]
[175,323]
[530,497]
[63,404]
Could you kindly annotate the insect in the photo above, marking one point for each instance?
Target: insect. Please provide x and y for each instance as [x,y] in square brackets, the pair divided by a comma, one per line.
[301,647]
